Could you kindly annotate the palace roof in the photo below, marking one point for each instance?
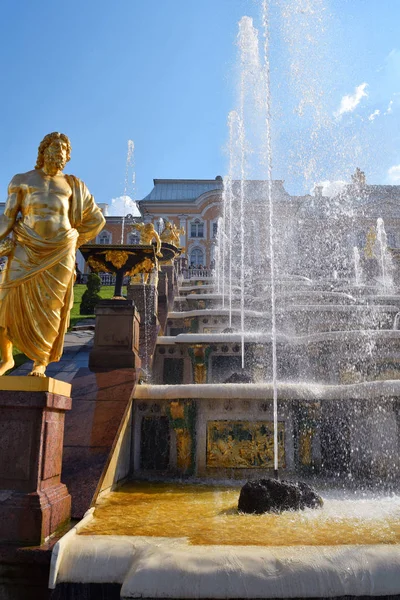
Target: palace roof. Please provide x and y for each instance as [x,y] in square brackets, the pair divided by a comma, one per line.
[172,190]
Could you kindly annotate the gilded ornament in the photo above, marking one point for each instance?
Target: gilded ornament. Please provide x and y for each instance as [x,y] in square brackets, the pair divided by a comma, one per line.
[243,444]
[358,178]
[117,257]
[97,266]
[305,447]
[148,234]
[371,241]
[182,415]
[199,354]
[183,450]
[141,271]
[177,410]
[39,276]
[171,234]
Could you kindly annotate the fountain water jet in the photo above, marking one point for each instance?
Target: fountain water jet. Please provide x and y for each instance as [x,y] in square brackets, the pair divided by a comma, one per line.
[271,224]
[384,258]
[129,174]
[358,271]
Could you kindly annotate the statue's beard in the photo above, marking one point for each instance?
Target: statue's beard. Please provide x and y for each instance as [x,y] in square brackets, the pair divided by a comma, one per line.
[53,164]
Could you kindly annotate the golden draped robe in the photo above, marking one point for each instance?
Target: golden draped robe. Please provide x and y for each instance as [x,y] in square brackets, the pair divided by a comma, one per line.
[36,288]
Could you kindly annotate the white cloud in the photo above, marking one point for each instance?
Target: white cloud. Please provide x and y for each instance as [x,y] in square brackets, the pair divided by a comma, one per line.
[123,205]
[330,188]
[375,114]
[394,174]
[389,108]
[350,102]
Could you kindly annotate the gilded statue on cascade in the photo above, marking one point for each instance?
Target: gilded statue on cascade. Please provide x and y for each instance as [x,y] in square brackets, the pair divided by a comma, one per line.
[48,215]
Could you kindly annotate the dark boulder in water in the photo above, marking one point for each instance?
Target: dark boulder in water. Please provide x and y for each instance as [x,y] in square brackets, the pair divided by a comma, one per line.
[272,495]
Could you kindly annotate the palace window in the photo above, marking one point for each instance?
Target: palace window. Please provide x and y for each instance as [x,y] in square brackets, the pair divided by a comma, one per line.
[197,229]
[197,257]
[134,237]
[215,229]
[105,237]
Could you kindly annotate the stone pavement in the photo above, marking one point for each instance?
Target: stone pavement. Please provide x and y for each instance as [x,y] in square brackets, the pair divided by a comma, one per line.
[77,345]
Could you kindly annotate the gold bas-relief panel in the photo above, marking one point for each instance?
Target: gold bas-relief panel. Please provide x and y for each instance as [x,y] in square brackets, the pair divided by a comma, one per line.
[243,444]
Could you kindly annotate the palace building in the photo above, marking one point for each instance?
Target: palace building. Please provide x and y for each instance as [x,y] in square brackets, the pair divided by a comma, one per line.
[196,205]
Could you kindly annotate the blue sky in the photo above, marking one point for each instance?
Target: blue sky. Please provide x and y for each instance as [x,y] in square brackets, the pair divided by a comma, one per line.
[162,73]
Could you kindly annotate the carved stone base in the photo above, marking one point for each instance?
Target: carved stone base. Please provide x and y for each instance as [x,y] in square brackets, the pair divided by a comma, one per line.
[33,501]
[28,519]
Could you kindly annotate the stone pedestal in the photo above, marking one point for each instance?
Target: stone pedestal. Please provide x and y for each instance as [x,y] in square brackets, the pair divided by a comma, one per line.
[145,298]
[116,337]
[33,501]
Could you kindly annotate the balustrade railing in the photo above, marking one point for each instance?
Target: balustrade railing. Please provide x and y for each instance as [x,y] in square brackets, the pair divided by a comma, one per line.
[196,273]
[109,279]
[106,279]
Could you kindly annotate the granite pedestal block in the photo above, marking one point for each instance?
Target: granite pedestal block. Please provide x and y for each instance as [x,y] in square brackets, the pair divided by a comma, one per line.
[116,338]
[33,501]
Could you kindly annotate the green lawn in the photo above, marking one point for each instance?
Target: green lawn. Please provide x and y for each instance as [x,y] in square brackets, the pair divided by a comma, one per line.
[106,291]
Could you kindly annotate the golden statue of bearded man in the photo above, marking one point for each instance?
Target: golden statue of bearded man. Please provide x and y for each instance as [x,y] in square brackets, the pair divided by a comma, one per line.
[49,215]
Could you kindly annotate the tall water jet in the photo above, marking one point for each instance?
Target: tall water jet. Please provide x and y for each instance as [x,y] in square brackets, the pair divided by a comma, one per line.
[383,257]
[233,124]
[249,69]
[268,147]
[219,256]
[160,225]
[314,141]
[358,270]
[129,184]
[247,217]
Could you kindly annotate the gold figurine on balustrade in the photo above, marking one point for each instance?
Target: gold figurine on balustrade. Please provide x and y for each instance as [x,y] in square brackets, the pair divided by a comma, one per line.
[171,233]
[148,234]
[49,215]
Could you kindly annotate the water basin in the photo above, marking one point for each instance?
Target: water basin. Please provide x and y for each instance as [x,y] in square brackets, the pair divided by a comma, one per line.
[207,515]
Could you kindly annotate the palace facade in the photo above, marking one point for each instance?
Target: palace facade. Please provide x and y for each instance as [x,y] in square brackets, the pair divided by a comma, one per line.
[196,205]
